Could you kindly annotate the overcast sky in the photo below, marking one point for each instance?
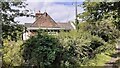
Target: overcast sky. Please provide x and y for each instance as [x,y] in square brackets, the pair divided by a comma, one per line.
[59,10]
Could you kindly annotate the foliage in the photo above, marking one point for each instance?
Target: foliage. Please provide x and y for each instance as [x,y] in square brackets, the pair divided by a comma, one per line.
[98,60]
[102,19]
[118,62]
[8,12]
[87,46]
[95,11]
[1,57]
[40,50]
[11,53]
[79,47]
[69,49]
[11,30]
[104,29]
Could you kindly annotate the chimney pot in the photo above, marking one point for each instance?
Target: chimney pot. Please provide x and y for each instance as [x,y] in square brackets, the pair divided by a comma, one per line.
[37,15]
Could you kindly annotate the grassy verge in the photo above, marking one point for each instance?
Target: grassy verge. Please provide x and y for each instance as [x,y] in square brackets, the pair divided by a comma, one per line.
[118,62]
[99,60]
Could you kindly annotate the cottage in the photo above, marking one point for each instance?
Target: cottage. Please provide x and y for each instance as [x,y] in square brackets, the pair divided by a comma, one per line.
[45,22]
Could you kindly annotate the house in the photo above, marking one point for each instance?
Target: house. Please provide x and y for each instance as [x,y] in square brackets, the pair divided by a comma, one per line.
[45,22]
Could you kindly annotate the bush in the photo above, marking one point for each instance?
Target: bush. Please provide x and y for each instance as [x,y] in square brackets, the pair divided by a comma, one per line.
[41,50]
[104,29]
[69,49]
[11,53]
[79,47]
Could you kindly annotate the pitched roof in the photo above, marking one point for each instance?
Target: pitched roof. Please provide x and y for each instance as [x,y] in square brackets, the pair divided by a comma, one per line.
[65,25]
[28,24]
[59,25]
[44,20]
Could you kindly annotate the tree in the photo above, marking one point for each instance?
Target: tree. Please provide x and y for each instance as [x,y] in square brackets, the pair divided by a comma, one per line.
[41,50]
[101,19]
[78,47]
[97,13]
[11,30]
[71,49]
[10,27]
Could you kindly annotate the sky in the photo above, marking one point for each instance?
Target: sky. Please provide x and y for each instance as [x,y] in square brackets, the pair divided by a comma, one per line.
[59,10]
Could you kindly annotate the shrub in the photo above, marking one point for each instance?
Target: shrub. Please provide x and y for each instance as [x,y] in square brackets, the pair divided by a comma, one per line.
[79,47]
[69,49]
[41,50]
[11,53]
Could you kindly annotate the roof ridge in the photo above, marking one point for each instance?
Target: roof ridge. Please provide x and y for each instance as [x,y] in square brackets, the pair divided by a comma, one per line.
[46,17]
[51,18]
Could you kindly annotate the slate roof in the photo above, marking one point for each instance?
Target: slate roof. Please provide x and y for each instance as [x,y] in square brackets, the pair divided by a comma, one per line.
[65,25]
[59,25]
[28,24]
[43,20]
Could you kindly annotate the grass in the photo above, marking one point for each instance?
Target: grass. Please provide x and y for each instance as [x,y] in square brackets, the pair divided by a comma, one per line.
[99,60]
[118,63]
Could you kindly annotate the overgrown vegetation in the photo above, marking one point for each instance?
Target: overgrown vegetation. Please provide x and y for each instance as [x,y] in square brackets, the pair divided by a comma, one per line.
[41,50]
[11,30]
[83,49]
[70,49]
[91,45]
[11,53]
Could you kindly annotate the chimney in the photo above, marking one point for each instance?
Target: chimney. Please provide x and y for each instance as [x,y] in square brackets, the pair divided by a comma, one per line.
[37,15]
[45,13]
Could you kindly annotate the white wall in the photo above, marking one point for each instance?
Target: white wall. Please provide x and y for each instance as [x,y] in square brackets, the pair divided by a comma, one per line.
[25,36]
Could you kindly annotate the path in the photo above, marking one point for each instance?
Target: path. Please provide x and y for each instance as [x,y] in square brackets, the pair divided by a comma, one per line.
[111,63]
